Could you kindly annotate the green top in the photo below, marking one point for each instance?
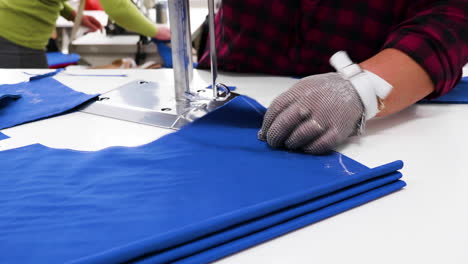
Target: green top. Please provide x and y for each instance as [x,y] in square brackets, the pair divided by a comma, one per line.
[30,23]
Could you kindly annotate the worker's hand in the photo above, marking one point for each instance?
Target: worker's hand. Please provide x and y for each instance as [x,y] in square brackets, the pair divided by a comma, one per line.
[163,33]
[315,115]
[91,23]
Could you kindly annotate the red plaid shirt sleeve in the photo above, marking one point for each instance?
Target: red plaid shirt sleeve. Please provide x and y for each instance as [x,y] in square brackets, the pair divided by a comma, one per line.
[435,35]
[285,37]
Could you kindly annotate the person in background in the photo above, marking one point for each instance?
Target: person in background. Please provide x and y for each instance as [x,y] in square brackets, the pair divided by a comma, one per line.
[26,26]
[406,51]
[93,5]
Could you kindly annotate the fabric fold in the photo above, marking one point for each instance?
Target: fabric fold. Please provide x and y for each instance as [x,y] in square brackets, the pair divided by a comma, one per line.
[209,186]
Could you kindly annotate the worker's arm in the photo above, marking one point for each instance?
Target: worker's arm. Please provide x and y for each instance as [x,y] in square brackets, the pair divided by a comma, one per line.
[87,21]
[410,81]
[67,12]
[422,57]
[425,54]
[127,15]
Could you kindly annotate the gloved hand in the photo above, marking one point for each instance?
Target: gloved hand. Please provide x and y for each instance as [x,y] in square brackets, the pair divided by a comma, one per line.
[315,115]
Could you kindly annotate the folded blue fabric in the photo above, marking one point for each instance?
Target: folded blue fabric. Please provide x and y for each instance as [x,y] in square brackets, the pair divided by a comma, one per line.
[41,97]
[458,95]
[42,76]
[166,200]
[6,99]
[256,238]
[248,234]
[55,59]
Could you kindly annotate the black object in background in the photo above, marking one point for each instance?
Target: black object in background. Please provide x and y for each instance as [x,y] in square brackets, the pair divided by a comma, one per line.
[52,46]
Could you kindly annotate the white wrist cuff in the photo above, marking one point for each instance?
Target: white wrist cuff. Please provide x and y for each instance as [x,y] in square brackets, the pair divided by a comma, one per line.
[368,85]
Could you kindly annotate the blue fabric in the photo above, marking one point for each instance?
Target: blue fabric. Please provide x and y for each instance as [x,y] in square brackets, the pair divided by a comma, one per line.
[165,52]
[57,58]
[7,97]
[166,200]
[3,136]
[458,95]
[276,219]
[45,75]
[232,88]
[41,97]
[253,239]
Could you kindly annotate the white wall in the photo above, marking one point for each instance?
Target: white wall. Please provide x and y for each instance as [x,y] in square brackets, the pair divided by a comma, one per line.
[198,3]
[202,3]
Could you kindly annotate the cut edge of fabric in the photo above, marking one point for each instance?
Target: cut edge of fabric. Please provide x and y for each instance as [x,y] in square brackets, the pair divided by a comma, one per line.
[238,245]
[276,218]
[174,238]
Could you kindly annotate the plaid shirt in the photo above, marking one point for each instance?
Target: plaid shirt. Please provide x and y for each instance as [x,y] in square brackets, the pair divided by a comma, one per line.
[286,37]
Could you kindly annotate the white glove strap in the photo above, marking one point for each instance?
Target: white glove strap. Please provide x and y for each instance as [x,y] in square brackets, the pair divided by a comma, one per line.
[368,85]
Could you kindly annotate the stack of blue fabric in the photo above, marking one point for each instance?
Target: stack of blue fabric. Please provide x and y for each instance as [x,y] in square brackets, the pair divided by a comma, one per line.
[194,196]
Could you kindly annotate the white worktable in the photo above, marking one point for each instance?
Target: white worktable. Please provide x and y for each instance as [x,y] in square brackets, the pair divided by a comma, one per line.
[427,222]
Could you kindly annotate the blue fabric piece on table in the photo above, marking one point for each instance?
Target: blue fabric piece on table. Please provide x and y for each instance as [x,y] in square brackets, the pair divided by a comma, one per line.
[4,100]
[315,209]
[45,75]
[58,58]
[253,239]
[458,95]
[41,97]
[3,136]
[7,97]
[232,88]
[136,204]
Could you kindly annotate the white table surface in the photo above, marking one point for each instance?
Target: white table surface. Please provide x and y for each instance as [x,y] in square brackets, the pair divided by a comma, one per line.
[427,222]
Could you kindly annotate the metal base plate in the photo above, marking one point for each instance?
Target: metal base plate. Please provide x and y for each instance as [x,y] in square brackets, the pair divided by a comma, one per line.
[151,103]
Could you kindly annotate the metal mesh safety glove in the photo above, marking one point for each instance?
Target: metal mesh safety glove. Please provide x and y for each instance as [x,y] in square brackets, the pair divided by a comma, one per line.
[315,115]
[321,111]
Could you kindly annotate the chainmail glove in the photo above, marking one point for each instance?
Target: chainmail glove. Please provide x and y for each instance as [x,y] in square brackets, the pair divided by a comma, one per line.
[315,115]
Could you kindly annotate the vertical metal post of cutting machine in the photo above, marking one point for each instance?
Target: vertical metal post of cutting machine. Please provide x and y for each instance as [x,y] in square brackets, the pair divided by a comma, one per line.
[181,42]
[164,105]
[213,57]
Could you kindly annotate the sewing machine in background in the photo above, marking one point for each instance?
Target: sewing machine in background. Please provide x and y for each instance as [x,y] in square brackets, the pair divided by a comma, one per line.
[102,48]
[169,105]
